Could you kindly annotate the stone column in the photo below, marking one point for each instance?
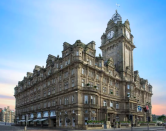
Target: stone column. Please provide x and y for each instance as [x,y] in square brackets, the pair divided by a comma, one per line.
[63,119]
[50,122]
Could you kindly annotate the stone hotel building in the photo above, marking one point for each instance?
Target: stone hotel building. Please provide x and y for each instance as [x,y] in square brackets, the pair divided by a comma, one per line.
[80,86]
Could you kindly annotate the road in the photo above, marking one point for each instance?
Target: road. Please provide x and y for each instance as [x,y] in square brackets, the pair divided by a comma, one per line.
[8,127]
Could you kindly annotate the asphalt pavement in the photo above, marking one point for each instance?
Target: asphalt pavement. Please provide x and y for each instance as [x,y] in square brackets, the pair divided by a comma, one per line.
[8,127]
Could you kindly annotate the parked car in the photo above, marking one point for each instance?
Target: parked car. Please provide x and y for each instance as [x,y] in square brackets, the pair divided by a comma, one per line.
[164,124]
[159,123]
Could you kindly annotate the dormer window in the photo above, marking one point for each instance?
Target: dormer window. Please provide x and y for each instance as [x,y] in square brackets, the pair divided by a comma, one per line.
[99,64]
[77,53]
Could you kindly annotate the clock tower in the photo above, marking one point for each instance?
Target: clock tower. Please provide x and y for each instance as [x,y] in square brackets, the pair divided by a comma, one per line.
[117,43]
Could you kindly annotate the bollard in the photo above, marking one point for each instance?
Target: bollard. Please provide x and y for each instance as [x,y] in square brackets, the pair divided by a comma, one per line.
[25,128]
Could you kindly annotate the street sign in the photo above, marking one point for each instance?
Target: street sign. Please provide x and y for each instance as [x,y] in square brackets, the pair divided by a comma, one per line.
[139,108]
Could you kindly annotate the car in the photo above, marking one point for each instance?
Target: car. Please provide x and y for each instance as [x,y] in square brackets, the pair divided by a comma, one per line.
[164,124]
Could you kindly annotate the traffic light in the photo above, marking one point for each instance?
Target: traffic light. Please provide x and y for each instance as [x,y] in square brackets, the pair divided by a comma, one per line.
[131,117]
[145,110]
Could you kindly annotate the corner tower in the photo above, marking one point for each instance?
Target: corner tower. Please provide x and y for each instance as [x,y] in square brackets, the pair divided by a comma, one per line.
[117,43]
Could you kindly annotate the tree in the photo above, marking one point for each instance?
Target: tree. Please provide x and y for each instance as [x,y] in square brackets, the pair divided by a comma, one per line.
[162,118]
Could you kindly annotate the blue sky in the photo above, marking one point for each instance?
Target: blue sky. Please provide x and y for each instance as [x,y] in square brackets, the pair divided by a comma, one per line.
[32,29]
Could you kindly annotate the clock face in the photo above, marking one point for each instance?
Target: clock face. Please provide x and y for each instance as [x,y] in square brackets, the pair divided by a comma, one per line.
[127,34]
[110,34]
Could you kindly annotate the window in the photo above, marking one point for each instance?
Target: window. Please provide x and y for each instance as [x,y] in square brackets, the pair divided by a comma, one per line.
[110,71]
[65,101]
[56,65]
[45,114]
[111,104]
[111,91]
[53,90]
[66,74]
[83,82]
[72,71]
[48,104]
[53,103]
[127,105]
[52,113]
[44,93]
[99,64]
[72,99]
[104,103]
[85,99]
[77,53]
[128,86]
[45,105]
[128,94]
[66,85]
[69,61]
[93,100]
[104,89]
[97,86]
[60,102]
[97,77]
[90,84]
[117,93]
[83,71]
[117,106]
[90,62]
[110,82]
[93,112]
[49,72]
[61,66]
[65,63]
[72,82]
[48,91]
[48,83]
[60,77]
[60,88]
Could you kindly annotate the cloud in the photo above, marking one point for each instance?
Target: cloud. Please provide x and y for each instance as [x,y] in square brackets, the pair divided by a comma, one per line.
[7,89]
[6,97]
[10,76]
